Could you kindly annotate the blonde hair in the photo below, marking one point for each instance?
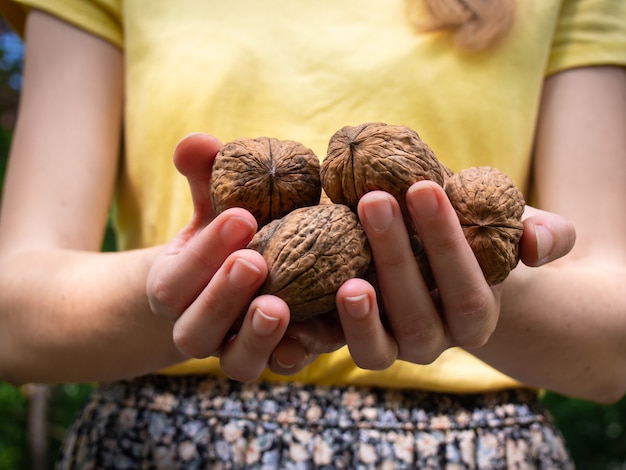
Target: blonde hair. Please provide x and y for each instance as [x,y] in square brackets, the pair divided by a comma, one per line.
[475,24]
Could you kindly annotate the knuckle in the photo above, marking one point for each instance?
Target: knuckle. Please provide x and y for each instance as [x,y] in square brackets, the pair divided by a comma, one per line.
[390,257]
[375,362]
[245,357]
[474,339]
[163,300]
[421,342]
[184,342]
[472,319]
[418,332]
[422,356]
[204,260]
[189,344]
[211,303]
[445,241]
[473,305]
[237,374]
[392,251]
[256,348]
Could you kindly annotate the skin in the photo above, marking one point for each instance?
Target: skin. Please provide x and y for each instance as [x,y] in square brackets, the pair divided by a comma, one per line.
[559,327]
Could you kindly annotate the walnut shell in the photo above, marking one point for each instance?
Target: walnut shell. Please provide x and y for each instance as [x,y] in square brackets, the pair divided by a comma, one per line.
[310,253]
[266,176]
[377,156]
[490,208]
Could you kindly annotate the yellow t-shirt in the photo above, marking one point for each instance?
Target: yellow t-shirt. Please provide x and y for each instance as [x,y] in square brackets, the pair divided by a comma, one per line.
[302,70]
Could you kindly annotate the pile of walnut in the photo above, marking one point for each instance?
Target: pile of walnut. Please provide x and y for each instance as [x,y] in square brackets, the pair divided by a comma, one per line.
[313,247]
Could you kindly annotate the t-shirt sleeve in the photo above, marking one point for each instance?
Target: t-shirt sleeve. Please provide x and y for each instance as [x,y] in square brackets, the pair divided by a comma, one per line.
[102,18]
[589,32]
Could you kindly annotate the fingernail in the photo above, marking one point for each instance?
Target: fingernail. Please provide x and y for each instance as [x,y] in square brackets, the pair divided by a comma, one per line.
[243,274]
[545,243]
[358,307]
[427,203]
[236,230]
[283,365]
[378,213]
[262,324]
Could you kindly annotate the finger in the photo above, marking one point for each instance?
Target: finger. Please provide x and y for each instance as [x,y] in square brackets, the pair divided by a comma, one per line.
[546,237]
[414,321]
[370,345]
[468,303]
[247,355]
[305,341]
[186,265]
[290,357]
[203,326]
[193,157]
[318,335]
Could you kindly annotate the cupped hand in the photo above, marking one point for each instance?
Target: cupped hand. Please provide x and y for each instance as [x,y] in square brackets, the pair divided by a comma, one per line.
[417,324]
[205,280]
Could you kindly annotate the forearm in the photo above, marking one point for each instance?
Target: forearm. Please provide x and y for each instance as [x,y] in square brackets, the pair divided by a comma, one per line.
[569,323]
[79,316]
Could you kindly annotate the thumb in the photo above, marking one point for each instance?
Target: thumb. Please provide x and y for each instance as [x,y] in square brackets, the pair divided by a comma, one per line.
[193,157]
[546,237]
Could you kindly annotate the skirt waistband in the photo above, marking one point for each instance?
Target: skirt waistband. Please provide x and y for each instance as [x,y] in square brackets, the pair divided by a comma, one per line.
[289,403]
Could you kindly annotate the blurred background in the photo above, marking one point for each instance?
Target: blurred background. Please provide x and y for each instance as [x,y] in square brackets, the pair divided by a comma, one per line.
[34,418]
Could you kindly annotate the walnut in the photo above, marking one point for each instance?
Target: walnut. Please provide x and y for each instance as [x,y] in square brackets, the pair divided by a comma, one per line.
[490,208]
[266,176]
[374,156]
[310,253]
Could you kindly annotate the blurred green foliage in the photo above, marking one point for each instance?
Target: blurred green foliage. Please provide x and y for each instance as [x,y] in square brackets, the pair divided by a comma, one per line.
[5,139]
[595,433]
[64,402]
[13,414]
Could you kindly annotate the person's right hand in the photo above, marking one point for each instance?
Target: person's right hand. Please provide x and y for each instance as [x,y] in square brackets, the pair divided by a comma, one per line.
[205,281]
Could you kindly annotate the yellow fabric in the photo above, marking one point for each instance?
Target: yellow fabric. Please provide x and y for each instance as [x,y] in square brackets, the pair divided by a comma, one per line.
[302,70]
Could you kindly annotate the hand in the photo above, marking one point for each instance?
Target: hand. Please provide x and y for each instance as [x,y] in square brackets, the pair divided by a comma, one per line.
[205,281]
[420,324]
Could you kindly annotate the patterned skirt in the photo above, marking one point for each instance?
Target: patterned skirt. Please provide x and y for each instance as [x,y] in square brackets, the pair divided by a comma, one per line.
[197,422]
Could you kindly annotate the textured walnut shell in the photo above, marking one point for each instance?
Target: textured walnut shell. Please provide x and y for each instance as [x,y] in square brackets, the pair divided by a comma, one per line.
[490,208]
[266,176]
[310,253]
[375,156]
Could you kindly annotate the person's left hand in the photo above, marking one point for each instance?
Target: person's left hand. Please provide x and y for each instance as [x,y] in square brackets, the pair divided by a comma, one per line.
[418,325]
